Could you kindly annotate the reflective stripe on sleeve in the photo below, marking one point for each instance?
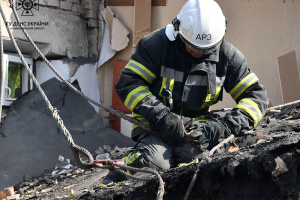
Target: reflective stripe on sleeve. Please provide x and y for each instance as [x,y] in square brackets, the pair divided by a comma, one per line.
[201,119]
[141,70]
[141,119]
[251,108]
[135,96]
[243,85]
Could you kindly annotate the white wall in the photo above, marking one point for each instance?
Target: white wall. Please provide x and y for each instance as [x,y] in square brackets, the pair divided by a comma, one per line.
[85,75]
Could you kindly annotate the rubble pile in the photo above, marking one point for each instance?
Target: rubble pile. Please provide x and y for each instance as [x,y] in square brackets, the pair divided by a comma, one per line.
[253,166]
[31,139]
[258,170]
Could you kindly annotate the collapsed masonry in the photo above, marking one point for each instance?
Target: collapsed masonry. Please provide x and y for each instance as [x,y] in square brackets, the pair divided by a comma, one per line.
[266,170]
[258,170]
[60,28]
[31,142]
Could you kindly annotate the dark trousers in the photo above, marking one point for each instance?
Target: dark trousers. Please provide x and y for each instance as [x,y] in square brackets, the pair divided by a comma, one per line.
[159,155]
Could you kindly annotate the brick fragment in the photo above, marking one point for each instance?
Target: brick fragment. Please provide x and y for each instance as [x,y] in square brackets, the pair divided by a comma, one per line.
[7,192]
[66,5]
[90,14]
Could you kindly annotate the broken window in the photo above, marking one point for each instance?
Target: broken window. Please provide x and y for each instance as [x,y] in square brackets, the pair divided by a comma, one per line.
[16,78]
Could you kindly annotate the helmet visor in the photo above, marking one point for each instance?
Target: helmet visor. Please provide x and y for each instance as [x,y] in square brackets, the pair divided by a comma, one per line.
[194,48]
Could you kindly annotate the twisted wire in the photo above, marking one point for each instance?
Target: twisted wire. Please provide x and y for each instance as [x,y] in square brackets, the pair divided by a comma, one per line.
[160,192]
[105,108]
[53,110]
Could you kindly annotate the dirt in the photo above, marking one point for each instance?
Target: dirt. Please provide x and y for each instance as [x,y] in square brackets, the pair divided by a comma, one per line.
[259,169]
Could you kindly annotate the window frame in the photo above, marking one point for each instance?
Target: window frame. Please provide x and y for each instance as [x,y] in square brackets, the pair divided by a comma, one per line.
[26,82]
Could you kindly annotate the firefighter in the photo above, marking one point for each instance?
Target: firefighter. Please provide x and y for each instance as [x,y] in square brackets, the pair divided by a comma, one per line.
[175,75]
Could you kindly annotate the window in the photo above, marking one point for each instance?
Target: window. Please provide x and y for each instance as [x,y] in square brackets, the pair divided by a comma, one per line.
[16,78]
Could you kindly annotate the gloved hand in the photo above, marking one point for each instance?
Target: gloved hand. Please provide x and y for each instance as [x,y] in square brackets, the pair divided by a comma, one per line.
[171,128]
[208,131]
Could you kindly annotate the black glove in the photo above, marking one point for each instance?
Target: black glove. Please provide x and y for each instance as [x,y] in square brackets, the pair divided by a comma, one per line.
[171,128]
[208,131]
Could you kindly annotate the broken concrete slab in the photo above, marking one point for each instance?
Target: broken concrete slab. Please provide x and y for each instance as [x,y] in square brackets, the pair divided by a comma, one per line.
[32,140]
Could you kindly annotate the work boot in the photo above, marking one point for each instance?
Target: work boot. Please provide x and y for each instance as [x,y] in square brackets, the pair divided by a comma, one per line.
[114,177]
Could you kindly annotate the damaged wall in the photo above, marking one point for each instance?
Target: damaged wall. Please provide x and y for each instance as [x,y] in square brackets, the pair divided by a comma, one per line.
[262,30]
[68,30]
[59,31]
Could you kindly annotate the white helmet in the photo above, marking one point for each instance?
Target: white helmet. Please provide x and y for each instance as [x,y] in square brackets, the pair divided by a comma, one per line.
[200,22]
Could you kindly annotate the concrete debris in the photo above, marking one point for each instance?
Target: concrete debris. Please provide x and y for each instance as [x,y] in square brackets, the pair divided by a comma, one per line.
[7,192]
[257,170]
[63,166]
[31,131]
[13,197]
[102,156]
[280,167]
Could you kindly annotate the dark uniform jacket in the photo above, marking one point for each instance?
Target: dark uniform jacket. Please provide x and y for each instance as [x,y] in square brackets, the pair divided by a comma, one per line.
[162,70]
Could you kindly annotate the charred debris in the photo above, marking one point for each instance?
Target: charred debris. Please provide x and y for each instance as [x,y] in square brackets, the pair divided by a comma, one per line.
[263,166]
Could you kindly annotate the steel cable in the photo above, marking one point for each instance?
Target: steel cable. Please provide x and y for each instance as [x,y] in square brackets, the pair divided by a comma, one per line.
[53,110]
[160,192]
[105,108]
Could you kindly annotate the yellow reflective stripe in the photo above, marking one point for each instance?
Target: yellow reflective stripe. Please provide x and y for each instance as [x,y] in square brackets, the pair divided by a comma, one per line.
[136,115]
[208,102]
[200,120]
[171,86]
[141,70]
[141,119]
[167,86]
[163,85]
[218,89]
[134,126]
[251,108]
[135,96]
[131,158]
[243,85]
[207,99]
